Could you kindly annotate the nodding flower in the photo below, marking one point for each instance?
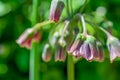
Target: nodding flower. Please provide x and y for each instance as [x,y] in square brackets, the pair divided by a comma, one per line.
[86,47]
[74,47]
[56,10]
[47,53]
[100,52]
[60,54]
[27,36]
[113,45]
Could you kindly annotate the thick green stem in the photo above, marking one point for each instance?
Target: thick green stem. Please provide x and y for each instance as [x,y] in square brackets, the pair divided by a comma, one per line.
[34,12]
[34,57]
[70,68]
[34,62]
[70,62]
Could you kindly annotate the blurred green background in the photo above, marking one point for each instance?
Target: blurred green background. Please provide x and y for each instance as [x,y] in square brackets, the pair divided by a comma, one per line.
[14,61]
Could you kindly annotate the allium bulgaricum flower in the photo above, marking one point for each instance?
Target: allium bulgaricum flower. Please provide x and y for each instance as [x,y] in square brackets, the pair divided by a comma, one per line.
[114,47]
[86,47]
[27,36]
[47,53]
[60,54]
[58,42]
[90,51]
[56,10]
[74,47]
[100,51]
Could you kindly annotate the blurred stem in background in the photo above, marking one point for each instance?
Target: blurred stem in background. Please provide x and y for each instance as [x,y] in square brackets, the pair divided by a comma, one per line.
[34,56]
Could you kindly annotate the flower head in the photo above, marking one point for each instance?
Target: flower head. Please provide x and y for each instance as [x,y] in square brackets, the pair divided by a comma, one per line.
[114,47]
[56,10]
[26,38]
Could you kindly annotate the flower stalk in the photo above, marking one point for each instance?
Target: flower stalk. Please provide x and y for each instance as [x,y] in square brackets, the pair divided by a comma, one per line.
[70,68]
[38,26]
[34,56]
[83,25]
[34,62]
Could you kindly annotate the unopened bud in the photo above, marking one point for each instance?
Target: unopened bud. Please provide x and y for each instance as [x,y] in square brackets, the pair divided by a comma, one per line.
[47,53]
[56,10]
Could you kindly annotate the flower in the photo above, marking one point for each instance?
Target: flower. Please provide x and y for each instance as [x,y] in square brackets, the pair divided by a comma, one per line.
[113,45]
[74,47]
[88,49]
[27,36]
[56,10]
[47,53]
[85,46]
[60,54]
[100,52]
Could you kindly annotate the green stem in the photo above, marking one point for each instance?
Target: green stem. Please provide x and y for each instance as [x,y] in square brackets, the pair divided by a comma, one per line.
[70,62]
[106,32]
[70,68]
[99,27]
[34,62]
[34,12]
[83,25]
[39,25]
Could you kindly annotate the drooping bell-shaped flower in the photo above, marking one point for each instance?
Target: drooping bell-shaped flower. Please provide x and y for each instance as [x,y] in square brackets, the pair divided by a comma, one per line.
[114,47]
[100,52]
[27,36]
[88,49]
[60,54]
[74,47]
[47,53]
[56,10]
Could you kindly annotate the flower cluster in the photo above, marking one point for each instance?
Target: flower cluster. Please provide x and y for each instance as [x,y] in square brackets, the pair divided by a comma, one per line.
[83,45]
[86,47]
